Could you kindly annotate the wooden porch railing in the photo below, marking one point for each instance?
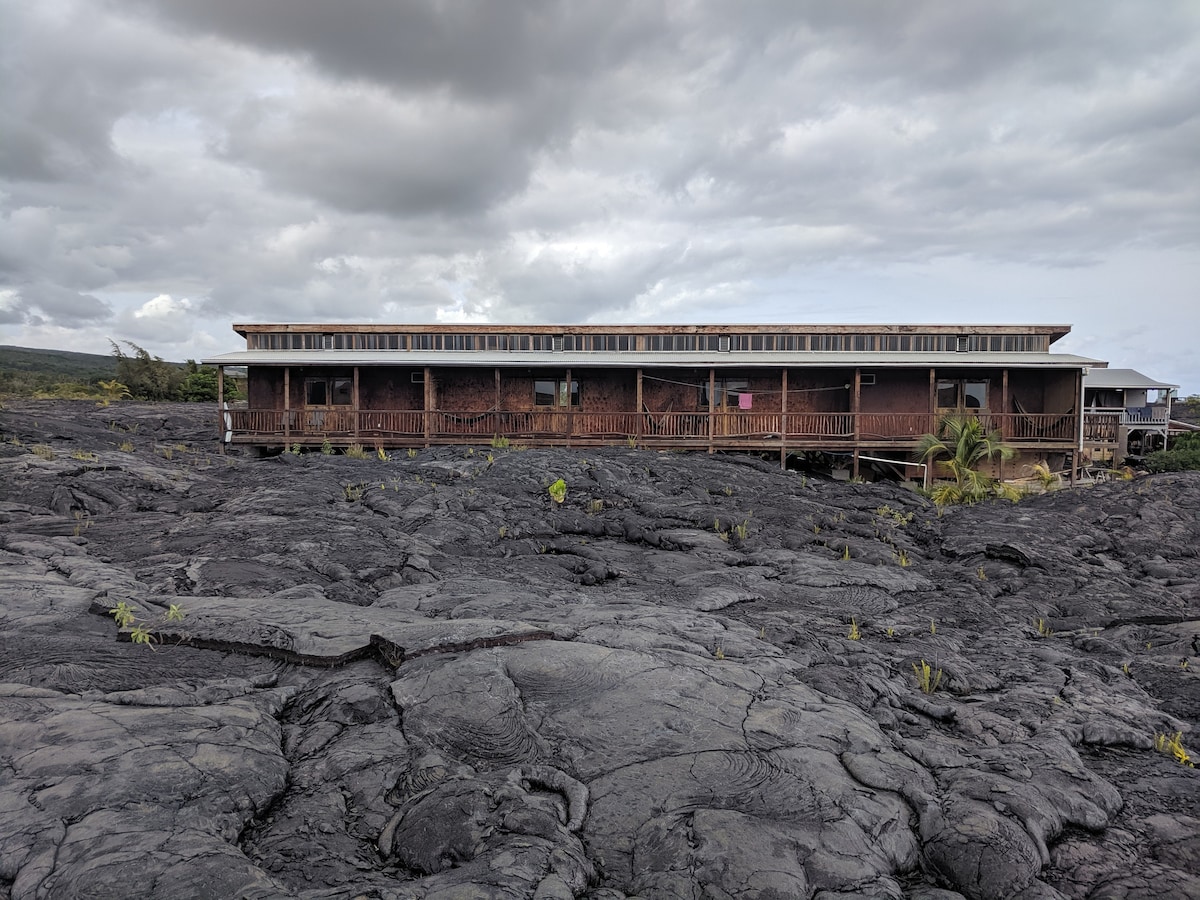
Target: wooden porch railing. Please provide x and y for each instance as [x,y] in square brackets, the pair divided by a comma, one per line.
[1033,427]
[343,425]
[905,426]
[1101,427]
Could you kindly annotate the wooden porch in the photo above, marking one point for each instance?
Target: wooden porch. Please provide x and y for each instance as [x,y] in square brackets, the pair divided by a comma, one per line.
[1103,426]
[713,430]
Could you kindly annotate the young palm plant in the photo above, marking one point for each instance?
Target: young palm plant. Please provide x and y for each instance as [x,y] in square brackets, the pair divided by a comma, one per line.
[960,448]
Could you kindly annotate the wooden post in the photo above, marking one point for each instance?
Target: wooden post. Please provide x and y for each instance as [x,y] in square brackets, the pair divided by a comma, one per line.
[287,406]
[496,416]
[933,400]
[637,426]
[1004,423]
[712,406]
[855,407]
[428,385]
[354,405]
[1005,429]
[783,426]
[571,409]
[1077,453]
[221,407]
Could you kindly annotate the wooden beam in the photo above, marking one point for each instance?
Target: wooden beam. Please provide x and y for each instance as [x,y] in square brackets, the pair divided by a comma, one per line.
[933,400]
[429,403]
[354,404]
[1003,413]
[571,409]
[637,427]
[712,406]
[221,406]
[287,406]
[855,410]
[783,426]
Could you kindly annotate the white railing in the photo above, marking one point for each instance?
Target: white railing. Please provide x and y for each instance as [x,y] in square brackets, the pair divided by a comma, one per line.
[1133,416]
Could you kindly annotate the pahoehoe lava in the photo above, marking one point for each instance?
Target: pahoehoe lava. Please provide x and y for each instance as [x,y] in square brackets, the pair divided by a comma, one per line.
[422,677]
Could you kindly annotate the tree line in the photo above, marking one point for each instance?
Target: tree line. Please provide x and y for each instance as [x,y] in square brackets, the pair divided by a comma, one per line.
[136,374]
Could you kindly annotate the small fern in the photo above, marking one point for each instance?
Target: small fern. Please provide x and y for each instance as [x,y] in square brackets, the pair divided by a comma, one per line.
[928,678]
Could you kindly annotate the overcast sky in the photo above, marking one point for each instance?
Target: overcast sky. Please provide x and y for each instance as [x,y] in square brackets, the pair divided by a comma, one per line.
[168,167]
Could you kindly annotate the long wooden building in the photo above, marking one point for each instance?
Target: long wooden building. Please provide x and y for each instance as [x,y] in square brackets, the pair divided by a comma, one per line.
[857,391]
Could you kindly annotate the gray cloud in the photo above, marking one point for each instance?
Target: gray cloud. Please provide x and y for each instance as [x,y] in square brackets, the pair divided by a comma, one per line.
[296,159]
[53,305]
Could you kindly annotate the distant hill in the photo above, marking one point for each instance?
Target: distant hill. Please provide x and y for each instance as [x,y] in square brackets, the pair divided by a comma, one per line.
[26,372]
[57,365]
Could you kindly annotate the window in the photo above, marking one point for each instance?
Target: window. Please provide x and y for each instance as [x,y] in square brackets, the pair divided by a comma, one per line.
[669,342]
[555,392]
[834,342]
[328,391]
[962,394]
[601,342]
[726,394]
[377,342]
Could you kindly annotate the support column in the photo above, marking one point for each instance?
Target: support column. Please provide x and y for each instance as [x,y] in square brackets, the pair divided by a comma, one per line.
[571,409]
[640,416]
[354,407]
[712,406]
[933,400]
[855,408]
[783,426]
[221,407]
[1077,455]
[1004,421]
[496,415]
[428,385]
[287,406]
[1004,403]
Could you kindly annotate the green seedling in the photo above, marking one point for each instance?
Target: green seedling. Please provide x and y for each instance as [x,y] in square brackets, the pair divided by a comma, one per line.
[122,613]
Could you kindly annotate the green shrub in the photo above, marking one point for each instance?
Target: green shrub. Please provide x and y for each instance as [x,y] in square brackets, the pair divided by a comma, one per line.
[1183,455]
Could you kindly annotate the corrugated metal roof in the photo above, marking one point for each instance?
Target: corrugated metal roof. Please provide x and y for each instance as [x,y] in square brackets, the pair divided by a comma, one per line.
[546,359]
[1123,379]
